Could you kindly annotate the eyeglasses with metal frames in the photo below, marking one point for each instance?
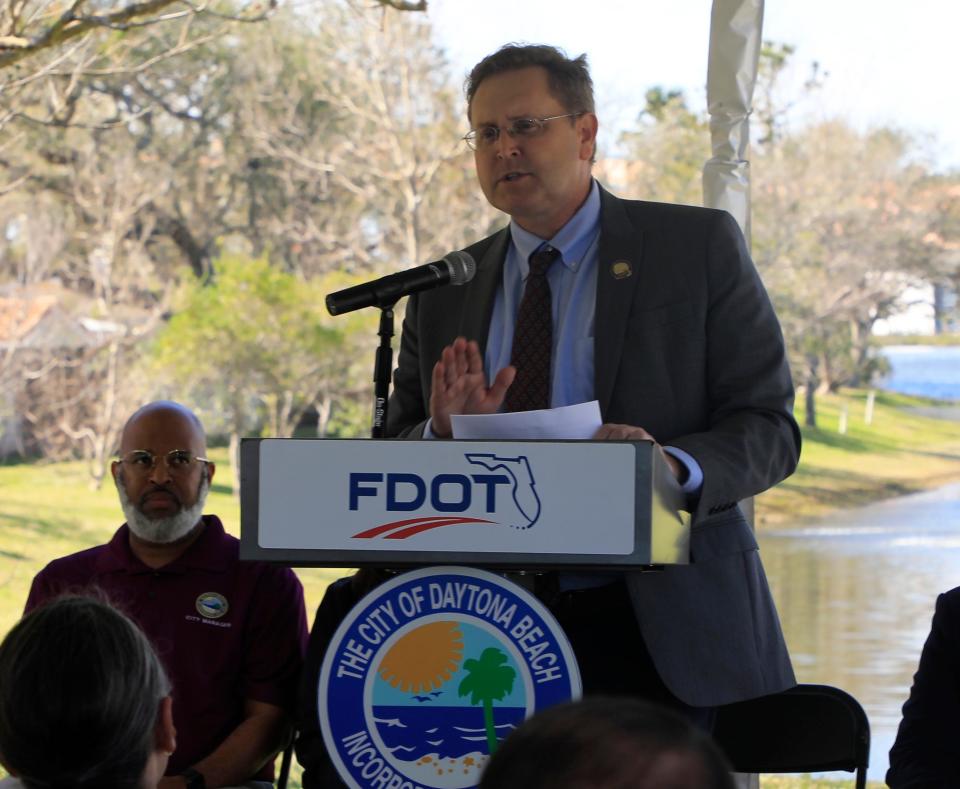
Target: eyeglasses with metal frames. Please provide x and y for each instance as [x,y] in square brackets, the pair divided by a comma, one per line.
[177,461]
[486,136]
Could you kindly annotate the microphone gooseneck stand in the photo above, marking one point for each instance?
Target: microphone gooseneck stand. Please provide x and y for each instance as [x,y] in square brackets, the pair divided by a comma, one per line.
[381,371]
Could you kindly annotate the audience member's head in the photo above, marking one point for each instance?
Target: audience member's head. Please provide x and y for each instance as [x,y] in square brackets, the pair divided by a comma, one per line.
[162,475]
[84,701]
[607,743]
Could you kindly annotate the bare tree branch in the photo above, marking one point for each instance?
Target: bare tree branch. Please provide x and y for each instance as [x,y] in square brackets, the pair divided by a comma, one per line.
[71,24]
[405,5]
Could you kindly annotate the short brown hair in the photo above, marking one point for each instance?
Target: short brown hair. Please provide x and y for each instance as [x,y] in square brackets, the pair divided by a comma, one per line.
[569,80]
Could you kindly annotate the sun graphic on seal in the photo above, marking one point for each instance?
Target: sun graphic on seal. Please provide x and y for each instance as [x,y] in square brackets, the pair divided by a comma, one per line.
[424,658]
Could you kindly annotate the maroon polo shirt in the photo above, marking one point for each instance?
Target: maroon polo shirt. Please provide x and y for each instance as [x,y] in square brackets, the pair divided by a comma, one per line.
[225,630]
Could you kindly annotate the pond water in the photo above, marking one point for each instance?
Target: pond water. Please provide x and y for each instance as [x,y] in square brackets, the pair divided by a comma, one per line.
[927,370]
[856,590]
[856,594]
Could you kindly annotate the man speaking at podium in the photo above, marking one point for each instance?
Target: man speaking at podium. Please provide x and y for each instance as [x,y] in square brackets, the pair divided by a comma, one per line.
[657,312]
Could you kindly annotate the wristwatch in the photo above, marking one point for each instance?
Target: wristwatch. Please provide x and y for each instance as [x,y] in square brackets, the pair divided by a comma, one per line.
[194,779]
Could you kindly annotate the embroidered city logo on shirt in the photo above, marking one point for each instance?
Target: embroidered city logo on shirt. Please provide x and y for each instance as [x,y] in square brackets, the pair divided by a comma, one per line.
[212,605]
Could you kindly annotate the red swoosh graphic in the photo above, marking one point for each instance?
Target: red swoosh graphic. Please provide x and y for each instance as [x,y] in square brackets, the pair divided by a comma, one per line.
[411,530]
[414,526]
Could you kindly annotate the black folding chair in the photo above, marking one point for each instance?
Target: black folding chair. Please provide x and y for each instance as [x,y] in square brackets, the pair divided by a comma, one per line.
[809,728]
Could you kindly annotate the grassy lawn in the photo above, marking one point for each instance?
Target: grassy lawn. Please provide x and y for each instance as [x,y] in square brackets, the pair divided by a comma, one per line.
[49,510]
[903,450]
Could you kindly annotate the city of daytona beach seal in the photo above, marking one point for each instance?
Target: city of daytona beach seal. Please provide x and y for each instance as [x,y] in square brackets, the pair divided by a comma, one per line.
[431,670]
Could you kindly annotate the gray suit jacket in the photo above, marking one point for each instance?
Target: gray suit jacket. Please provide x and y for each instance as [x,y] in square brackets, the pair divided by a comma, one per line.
[688,347]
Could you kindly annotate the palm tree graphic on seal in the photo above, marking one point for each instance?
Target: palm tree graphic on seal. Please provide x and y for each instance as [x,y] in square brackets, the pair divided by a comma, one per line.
[487,680]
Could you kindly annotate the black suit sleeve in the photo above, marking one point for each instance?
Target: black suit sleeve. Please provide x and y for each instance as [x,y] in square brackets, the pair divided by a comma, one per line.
[341,596]
[318,770]
[750,440]
[407,407]
[926,752]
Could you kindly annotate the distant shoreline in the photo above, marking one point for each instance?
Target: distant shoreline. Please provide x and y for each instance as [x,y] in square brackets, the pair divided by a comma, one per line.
[949,412]
[933,340]
[911,445]
[930,370]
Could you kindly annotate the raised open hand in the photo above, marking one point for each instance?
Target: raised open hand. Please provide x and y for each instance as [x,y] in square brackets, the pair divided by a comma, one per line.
[459,385]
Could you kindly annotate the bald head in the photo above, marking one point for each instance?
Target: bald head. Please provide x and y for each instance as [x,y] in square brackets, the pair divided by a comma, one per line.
[164,412]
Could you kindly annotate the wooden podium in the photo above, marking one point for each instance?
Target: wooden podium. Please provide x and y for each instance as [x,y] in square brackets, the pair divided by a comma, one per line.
[504,505]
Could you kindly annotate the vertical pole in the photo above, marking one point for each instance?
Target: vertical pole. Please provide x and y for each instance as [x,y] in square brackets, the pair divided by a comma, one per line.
[736,28]
[735,36]
[381,373]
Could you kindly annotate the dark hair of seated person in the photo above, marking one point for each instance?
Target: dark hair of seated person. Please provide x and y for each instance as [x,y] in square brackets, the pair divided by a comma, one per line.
[84,701]
[607,743]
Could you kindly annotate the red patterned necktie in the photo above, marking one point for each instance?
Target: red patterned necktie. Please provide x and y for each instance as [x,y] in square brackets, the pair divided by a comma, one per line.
[533,338]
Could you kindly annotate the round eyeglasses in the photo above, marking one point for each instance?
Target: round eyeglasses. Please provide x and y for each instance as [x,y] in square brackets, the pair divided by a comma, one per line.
[177,461]
[485,136]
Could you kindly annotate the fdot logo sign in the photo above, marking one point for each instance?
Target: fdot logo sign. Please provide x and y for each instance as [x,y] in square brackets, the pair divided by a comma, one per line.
[501,489]
[430,671]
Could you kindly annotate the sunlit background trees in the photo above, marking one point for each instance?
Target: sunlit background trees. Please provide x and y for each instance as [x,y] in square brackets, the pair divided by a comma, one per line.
[179,189]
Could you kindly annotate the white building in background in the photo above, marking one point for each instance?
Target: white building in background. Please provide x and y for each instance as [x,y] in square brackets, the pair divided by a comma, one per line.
[947,315]
[918,315]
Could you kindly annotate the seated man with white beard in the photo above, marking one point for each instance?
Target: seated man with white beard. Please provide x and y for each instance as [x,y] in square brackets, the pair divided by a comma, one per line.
[230,634]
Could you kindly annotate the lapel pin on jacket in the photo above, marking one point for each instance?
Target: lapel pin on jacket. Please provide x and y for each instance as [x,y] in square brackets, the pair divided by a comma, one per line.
[621,269]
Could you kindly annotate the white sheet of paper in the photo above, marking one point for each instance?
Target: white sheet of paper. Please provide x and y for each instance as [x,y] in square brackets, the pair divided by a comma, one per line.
[580,421]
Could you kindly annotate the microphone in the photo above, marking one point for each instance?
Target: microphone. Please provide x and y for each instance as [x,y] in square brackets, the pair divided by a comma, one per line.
[455,269]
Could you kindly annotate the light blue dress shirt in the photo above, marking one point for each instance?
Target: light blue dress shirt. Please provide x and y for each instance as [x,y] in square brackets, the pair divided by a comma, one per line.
[573,293]
[573,296]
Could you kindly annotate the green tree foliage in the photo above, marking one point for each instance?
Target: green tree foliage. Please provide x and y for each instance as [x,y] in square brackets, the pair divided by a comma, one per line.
[843,220]
[256,343]
[942,199]
[328,139]
[838,229]
[667,149]
[487,680]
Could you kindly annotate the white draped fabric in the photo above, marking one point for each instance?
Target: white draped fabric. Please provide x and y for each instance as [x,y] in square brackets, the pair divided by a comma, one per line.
[735,38]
